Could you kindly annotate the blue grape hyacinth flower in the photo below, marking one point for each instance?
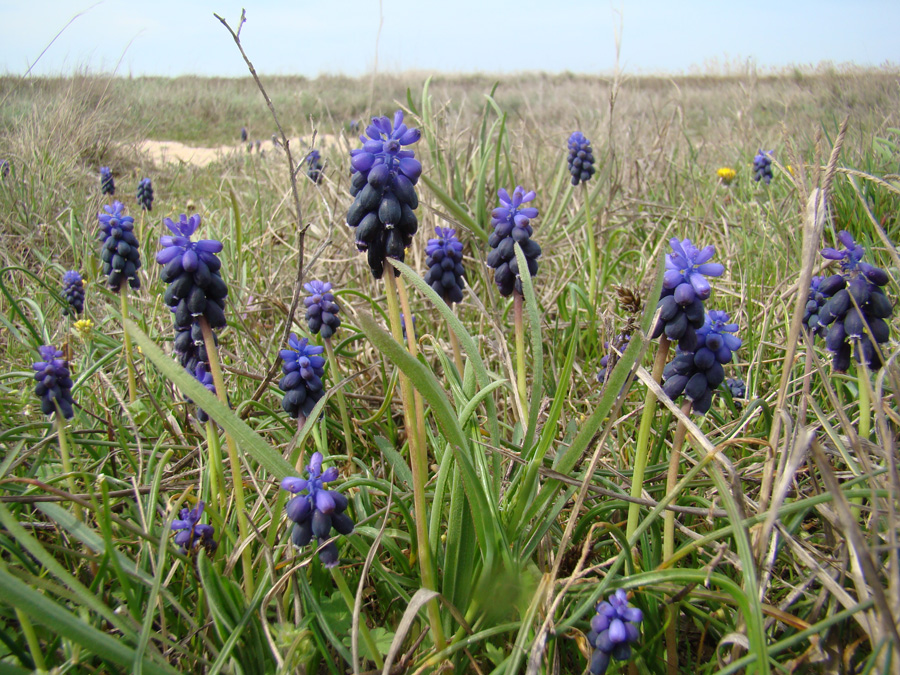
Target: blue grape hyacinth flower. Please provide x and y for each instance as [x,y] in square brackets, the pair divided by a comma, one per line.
[321,309]
[145,194]
[191,532]
[317,511]
[762,166]
[73,291]
[192,272]
[614,628]
[303,368]
[383,184]
[512,224]
[121,251]
[54,384]
[107,184]
[243,134]
[314,166]
[444,257]
[581,158]
[855,315]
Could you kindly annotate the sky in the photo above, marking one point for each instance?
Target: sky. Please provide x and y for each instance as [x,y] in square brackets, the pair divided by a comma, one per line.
[311,38]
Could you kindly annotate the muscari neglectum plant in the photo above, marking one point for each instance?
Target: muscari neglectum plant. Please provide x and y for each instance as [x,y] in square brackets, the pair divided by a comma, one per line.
[73,292]
[614,628]
[191,533]
[581,167]
[107,184]
[145,194]
[762,166]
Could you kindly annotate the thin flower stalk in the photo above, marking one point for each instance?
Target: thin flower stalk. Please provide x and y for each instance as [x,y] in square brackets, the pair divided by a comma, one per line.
[349,599]
[519,320]
[593,254]
[216,477]
[233,458]
[418,459]
[129,353]
[67,460]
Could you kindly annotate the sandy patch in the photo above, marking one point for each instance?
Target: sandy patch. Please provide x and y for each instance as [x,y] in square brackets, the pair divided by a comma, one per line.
[173,152]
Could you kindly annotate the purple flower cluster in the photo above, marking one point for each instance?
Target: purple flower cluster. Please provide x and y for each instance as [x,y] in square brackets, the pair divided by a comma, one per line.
[120,254]
[443,257]
[762,167]
[512,224]
[383,184]
[107,184]
[581,158]
[317,511]
[608,361]
[244,134]
[145,194]
[614,628]
[684,289]
[698,373]
[321,309]
[54,384]
[854,316]
[303,369]
[73,290]
[314,166]
[191,533]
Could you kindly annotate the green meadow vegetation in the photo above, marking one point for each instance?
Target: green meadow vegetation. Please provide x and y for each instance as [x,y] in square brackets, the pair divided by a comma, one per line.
[493,489]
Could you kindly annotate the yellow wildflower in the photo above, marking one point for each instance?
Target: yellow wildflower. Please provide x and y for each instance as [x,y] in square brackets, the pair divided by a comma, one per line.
[84,327]
[726,174]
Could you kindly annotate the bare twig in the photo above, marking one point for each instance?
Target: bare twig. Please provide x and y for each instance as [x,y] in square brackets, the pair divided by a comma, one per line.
[301,229]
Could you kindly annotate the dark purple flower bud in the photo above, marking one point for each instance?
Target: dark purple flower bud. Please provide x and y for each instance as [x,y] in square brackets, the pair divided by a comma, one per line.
[762,166]
[73,291]
[191,534]
[243,134]
[614,628]
[54,384]
[321,309]
[303,369]
[581,158]
[145,194]
[107,184]
[120,252]
[443,257]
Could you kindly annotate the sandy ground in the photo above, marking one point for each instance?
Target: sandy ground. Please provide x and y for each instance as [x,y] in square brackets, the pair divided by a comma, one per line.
[173,152]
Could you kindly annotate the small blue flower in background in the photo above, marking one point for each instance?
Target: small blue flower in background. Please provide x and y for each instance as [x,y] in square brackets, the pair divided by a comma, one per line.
[855,314]
[314,166]
[54,385]
[512,223]
[4,168]
[243,134]
[192,271]
[403,326]
[73,291]
[191,533]
[145,194]
[317,511]
[354,126]
[614,628]
[107,184]
[581,158]
[120,253]
[443,257]
[738,389]
[383,184]
[321,309]
[762,166]
[609,359]
[303,369]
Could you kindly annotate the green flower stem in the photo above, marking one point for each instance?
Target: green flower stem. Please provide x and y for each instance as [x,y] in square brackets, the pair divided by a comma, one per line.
[66,459]
[457,352]
[342,403]
[34,645]
[341,583]
[418,460]
[413,347]
[236,478]
[216,478]
[669,540]
[592,246]
[129,354]
[865,408]
[518,302]
[643,439]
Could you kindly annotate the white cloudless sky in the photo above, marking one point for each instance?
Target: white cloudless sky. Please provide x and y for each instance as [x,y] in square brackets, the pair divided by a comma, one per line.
[306,37]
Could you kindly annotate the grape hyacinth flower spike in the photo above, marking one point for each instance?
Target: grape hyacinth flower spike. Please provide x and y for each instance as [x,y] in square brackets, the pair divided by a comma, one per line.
[321,309]
[762,166]
[684,289]
[73,291]
[191,533]
[317,511]
[54,384]
[383,184]
[855,316]
[698,374]
[120,253]
[512,224]
[614,628]
[581,158]
[443,257]
[192,271]
[303,368]
[243,134]
[314,166]
[145,194]
[107,184]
